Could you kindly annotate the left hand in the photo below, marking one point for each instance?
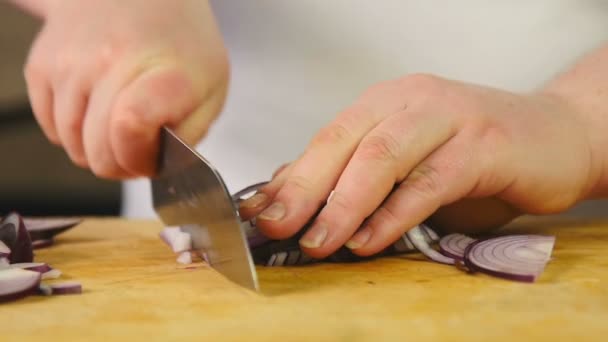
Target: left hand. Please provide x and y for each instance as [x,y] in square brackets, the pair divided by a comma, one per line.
[411,146]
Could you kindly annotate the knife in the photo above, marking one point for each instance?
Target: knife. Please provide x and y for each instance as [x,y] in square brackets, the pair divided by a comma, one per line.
[189,192]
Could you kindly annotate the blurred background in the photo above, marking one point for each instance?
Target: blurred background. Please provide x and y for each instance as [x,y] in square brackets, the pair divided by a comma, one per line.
[36,177]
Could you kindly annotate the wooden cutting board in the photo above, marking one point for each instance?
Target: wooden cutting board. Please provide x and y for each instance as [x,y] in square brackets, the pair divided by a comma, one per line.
[134,290]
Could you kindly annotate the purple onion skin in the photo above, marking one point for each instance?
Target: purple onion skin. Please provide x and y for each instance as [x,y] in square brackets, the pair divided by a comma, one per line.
[525,278]
[29,288]
[14,234]
[451,255]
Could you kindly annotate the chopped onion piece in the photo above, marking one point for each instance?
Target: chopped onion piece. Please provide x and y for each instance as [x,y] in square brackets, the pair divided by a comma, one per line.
[39,267]
[42,243]
[182,242]
[168,234]
[185,258]
[16,283]
[16,237]
[4,262]
[454,245]
[416,236]
[68,287]
[52,274]
[5,252]
[45,290]
[515,257]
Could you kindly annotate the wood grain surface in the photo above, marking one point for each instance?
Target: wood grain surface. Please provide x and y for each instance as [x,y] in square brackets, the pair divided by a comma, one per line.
[134,290]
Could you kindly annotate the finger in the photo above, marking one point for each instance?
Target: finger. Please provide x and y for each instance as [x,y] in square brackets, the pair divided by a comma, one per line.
[316,172]
[41,100]
[384,157]
[159,96]
[252,206]
[447,175]
[70,106]
[96,126]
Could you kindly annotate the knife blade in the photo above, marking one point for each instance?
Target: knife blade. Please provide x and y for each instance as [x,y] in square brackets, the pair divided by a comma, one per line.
[189,192]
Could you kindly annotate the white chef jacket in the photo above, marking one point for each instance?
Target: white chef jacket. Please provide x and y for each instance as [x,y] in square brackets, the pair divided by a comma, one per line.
[296,64]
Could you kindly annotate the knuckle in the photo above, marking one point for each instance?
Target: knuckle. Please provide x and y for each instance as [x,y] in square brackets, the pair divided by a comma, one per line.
[334,134]
[379,147]
[340,201]
[299,183]
[424,180]
[423,88]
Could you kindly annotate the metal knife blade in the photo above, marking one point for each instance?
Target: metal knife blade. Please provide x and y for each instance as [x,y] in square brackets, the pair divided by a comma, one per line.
[189,192]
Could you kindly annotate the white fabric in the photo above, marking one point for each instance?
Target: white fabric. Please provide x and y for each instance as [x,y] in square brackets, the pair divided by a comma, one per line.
[295,64]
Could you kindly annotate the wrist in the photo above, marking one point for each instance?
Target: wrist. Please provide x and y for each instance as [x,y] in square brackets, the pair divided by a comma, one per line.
[593,120]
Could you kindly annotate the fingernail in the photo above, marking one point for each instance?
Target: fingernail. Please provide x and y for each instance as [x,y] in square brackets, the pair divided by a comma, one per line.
[360,239]
[254,200]
[314,238]
[273,213]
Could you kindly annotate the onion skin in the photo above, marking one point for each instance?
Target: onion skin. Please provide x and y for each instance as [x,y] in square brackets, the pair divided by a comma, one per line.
[48,228]
[44,243]
[451,245]
[16,237]
[17,283]
[510,266]
[66,288]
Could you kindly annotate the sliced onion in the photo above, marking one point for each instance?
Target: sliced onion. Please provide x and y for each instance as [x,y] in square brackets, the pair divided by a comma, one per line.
[5,252]
[416,236]
[430,232]
[65,288]
[17,283]
[184,258]
[47,228]
[454,245]
[168,234]
[52,274]
[255,238]
[39,267]
[515,257]
[16,238]
[182,242]
[43,243]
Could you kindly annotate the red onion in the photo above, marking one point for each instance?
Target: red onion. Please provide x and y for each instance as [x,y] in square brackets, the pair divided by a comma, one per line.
[514,257]
[417,238]
[168,234]
[47,228]
[51,274]
[182,242]
[5,252]
[39,267]
[65,288]
[184,258]
[454,245]
[15,236]
[17,283]
[38,244]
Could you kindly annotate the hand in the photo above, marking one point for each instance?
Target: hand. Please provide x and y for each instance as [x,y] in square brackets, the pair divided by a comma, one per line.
[105,76]
[422,145]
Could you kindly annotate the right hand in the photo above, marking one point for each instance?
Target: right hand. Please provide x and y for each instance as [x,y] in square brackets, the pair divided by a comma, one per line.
[104,76]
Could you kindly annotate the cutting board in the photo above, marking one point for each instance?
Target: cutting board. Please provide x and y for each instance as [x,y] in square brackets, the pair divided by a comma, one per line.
[134,290]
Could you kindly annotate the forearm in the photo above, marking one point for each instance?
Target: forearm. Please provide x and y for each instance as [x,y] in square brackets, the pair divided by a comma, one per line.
[33,7]
[584,87]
